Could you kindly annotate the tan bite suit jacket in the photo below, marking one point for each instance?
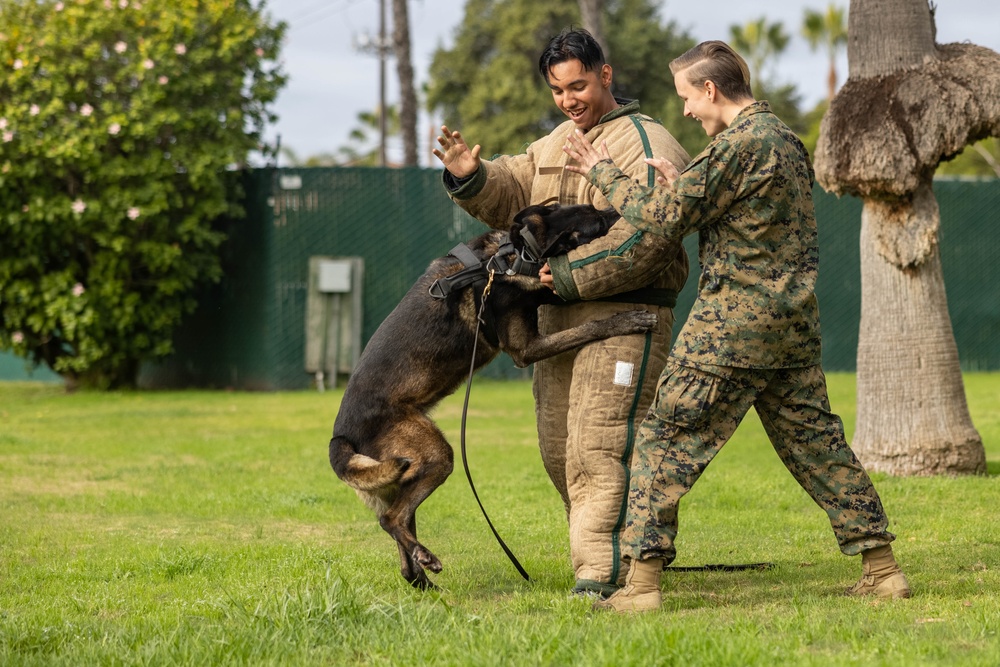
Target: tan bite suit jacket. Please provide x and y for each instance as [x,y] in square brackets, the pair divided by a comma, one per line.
[590,402]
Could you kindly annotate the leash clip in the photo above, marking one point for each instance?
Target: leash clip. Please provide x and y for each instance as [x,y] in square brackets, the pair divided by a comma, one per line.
[486,293]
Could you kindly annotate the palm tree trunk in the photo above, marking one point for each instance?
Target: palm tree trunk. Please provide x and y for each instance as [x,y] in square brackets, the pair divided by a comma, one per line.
[590,15]
[913,418]
[404,70]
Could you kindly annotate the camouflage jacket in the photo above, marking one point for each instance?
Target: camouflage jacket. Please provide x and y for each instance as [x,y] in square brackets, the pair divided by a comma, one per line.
[749,197]
[626,258]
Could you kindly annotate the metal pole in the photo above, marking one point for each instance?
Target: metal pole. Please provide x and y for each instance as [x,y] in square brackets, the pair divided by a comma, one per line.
[381,82]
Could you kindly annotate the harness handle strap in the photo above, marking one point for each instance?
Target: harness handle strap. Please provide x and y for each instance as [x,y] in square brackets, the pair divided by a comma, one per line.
[464,254]
[471,272]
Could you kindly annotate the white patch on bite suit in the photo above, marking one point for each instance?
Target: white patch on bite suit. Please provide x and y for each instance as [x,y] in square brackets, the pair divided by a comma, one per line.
[623,373]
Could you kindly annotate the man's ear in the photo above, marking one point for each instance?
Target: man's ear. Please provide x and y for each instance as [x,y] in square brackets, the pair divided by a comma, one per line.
[606,75]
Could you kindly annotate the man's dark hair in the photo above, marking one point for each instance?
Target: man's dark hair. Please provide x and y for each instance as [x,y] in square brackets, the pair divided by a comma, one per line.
[571,44]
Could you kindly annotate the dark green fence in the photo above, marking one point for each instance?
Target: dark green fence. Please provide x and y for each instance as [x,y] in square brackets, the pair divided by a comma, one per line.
[249,331]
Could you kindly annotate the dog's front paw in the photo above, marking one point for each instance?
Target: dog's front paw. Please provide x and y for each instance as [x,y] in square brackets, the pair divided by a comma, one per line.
[637,321]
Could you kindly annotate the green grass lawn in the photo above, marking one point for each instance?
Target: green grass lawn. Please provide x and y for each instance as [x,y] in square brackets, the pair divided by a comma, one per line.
[203,528]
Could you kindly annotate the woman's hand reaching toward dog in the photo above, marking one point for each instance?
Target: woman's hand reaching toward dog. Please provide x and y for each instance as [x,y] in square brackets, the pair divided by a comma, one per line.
[586,155]
[583,152]
[666,171]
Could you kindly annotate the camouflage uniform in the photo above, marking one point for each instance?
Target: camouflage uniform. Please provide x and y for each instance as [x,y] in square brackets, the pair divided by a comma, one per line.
[752,337]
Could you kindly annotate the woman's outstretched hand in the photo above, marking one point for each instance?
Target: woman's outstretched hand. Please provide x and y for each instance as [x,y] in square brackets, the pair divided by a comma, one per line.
[583,152]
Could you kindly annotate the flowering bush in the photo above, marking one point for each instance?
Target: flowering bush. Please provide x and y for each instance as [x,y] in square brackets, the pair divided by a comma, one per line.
[121,123]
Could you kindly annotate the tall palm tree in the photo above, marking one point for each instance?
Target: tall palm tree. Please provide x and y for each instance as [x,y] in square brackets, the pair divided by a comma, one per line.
[908,104]
[404,70]
[827,30]
[591,13]
[759,42]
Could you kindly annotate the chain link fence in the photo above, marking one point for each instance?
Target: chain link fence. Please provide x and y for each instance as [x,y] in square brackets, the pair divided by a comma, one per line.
[249,331]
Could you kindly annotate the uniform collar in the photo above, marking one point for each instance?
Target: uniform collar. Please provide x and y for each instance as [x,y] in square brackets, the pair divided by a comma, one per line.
[625,108]
[761,106]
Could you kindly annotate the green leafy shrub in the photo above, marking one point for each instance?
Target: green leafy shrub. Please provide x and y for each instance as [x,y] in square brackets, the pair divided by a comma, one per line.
[122,127]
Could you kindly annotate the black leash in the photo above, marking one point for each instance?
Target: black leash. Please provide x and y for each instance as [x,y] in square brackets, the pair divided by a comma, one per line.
[721,567]
[465,412]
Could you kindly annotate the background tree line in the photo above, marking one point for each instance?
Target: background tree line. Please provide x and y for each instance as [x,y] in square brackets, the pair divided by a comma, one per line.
[486,83]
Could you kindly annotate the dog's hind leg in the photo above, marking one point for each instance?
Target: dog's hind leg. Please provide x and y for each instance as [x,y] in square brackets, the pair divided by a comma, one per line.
[412,571]
[410,568]
[432,461]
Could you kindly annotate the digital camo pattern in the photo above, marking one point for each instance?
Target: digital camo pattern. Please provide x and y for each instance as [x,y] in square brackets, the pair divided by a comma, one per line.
[749,197]
[695,412]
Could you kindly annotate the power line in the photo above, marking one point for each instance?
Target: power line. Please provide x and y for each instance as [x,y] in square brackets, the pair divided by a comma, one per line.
[319,13]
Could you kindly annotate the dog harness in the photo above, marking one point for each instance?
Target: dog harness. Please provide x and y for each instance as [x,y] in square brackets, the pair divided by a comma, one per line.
[475,271]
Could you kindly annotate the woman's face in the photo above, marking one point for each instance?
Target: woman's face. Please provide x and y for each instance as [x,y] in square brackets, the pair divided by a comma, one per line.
[700,103]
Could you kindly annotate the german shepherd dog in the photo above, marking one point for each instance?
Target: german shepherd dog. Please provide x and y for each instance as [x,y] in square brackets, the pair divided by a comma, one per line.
[384,445]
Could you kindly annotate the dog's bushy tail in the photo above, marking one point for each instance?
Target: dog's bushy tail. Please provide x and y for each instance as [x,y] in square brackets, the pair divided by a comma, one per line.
[361,472]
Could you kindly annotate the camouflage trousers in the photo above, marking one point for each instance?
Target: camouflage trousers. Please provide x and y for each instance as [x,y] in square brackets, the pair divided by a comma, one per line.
[697,409]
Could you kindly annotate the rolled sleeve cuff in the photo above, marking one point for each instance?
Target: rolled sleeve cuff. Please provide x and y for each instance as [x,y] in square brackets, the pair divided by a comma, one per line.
[465,188]
[603,174]
[562,278]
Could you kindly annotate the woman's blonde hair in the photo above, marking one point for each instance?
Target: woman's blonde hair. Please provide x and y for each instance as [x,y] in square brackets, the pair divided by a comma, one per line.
[717,62]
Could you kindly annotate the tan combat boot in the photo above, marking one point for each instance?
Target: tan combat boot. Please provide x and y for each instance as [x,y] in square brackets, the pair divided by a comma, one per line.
[641,591]
[880,576]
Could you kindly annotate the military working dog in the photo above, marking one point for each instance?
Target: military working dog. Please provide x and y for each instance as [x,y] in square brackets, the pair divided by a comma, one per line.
[384,445]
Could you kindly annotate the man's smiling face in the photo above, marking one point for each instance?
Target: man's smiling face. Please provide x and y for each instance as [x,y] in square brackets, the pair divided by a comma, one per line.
[583,96]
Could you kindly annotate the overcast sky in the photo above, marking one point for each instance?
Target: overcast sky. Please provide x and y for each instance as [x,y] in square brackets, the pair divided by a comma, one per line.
[330,81]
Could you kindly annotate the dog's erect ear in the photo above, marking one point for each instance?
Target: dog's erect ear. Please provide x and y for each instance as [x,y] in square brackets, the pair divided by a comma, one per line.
[537,209]
[532,217]
[559,229]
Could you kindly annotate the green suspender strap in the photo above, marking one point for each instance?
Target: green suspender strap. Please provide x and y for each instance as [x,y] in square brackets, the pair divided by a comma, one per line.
[645,295]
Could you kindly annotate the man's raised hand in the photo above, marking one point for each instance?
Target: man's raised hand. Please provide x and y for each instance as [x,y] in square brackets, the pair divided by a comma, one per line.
[455,154]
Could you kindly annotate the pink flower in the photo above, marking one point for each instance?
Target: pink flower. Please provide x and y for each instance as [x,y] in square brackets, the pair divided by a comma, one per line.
[34,110]
[180,49]
[107,4]
[3,123]
[8,136]
[18,64]
[114,129]
[59,6]
[162,80]
[120,47]
[78,206]
[260,52]
[78,289]
[133,213]
[86,110]
[123,3]
[148,63]
[17,337]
